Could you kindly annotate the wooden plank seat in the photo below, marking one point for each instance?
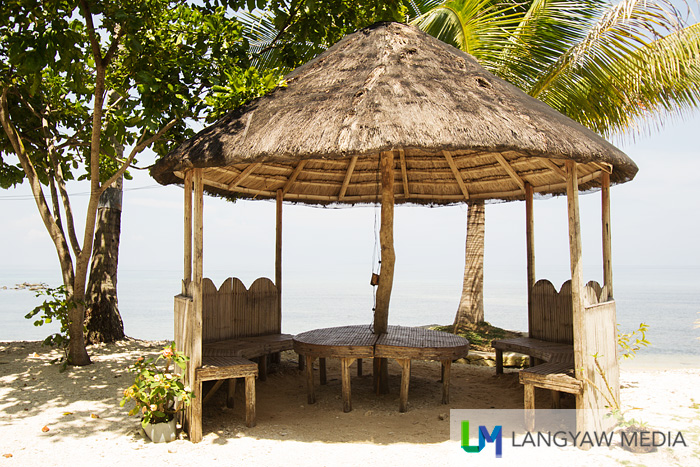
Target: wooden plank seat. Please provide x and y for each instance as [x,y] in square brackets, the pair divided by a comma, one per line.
[558,377]
[222,369]
[250,347]
[542,350]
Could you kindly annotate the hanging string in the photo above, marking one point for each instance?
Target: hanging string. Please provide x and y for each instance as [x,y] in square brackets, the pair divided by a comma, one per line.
[376,253]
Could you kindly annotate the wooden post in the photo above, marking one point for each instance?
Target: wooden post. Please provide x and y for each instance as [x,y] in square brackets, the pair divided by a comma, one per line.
[195,425]
[386,274]
[386,238]
[322,370]
[345,377]
[187,275]
[446,372]
[607,236]
[405,380]
[530,242]
[278,257]
[250,401]
[576,284]
[309,366]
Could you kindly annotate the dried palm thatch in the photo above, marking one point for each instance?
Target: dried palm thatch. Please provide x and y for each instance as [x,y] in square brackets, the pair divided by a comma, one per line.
[459,133]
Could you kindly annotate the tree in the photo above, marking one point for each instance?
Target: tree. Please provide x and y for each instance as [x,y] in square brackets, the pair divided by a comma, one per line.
[611,67]
[165,62]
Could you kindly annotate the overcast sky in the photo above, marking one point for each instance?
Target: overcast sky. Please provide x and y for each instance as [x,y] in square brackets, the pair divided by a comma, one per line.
[655,223]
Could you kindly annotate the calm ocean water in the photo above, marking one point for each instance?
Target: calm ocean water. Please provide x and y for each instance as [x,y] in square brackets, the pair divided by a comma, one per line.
[668,300]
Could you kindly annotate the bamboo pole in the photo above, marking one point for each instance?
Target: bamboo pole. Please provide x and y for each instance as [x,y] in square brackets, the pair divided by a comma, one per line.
[607,235]
[577,287]
[196,348]
[187,275]
[386,238]
[530,242]
[278,258]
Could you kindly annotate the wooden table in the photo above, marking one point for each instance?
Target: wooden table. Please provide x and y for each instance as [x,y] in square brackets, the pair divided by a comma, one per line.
[350,343]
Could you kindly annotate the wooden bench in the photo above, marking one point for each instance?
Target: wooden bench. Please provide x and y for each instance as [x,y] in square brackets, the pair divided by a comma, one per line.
[245,321]
[222,369]
[557,377]
[535,348]
[550,327]
[240,322]
[250,347]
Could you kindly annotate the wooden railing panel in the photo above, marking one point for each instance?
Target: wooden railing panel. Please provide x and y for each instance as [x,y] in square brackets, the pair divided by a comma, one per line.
[600,324]
[234,311]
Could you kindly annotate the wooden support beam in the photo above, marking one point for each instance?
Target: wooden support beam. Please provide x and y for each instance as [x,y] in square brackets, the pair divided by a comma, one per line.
[278,255]
[577,284]
[195,422]
[555,168]
[456,173]
[243,175]
[530,247]
[604,166]
[607,235]
[386,239]
[348,175]
[187,275]
[511,172]
[404,174]
[293,177]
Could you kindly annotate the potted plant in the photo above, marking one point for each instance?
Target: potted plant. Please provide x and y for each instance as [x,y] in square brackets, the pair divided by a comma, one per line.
[158,393]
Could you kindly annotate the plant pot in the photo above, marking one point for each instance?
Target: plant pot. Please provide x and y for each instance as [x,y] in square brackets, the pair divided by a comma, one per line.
[163,432]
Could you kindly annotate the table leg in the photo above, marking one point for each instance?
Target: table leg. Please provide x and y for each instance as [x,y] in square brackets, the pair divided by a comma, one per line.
[499,361]
[250,401]
[262,367]
[322,369]
[556,399]
[309,364]
[405,379]
[529,407]
[230,392]
[446,371]
[345,376]
[376,363]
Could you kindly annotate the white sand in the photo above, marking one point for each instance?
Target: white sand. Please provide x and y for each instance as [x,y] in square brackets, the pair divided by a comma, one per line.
[87,426]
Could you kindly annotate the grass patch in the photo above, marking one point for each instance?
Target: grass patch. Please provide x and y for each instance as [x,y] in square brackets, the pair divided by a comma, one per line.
[481,334]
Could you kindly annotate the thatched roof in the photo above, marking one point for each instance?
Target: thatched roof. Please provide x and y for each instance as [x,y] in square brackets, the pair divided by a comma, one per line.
[458,132]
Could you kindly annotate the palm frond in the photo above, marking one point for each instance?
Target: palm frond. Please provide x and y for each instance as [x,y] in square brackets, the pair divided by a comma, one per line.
[594,81]
[477,27]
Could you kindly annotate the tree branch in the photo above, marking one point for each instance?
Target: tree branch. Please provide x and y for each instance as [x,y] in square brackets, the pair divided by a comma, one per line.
[60,182]
[56,234]
[94,43]
[137,149]
[115,45]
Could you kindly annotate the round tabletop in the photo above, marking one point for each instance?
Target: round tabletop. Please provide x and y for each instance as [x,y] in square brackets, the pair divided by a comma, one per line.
[401,342]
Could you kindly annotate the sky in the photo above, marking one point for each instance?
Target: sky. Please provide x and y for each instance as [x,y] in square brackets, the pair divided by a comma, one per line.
[655,223]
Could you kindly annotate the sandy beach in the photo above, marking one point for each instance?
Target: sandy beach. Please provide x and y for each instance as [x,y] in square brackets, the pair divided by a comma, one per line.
[86,426]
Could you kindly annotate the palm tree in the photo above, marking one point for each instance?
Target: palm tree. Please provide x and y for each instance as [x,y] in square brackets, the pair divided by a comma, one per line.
[614,68]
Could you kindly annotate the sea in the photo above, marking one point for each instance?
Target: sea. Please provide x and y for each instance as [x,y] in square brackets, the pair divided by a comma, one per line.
[666,299]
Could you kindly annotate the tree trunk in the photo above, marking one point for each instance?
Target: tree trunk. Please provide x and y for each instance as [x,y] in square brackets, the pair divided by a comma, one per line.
[102,318]
[471,305]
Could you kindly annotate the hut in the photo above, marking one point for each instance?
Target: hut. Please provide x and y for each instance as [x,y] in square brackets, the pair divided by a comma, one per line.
[392,115]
